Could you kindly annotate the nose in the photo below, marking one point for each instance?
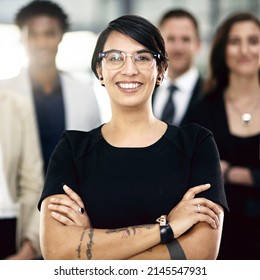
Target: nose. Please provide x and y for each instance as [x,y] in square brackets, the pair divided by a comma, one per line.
[244,48]
[129,67]
[39,41]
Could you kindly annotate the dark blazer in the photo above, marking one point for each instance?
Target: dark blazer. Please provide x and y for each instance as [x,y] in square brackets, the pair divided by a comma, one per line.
[210,112]
[244,201]
[195,97]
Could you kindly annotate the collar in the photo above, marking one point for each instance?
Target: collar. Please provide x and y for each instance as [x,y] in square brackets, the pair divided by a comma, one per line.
[186,82]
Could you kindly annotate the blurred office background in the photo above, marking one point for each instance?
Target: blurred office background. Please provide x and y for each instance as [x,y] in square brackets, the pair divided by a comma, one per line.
[89,17]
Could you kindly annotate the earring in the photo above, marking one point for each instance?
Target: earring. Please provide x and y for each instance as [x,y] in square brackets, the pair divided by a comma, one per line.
[159,81]
[101,79]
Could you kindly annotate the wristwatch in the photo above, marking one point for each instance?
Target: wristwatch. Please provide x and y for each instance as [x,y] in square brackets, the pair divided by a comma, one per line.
[166,231]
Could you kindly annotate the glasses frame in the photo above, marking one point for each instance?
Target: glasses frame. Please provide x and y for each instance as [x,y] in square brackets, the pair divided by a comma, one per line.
[103,55]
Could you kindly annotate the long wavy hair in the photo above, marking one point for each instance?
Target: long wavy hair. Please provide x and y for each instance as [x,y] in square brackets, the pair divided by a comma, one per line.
[218,78]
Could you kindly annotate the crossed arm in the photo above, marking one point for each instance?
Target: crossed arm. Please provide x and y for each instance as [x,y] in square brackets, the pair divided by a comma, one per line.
[67,234]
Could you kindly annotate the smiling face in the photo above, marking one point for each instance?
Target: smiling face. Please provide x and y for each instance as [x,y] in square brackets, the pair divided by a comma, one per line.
[129,85]
[243,49]
[41,36]
[182,44]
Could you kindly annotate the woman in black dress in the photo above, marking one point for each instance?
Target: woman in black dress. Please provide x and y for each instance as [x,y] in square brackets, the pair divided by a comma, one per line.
[133,170]
[231,110]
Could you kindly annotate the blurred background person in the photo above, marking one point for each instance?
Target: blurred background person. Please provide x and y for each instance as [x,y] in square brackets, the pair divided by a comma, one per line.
[21,178]
[231,110]
[181,90]
[60,101]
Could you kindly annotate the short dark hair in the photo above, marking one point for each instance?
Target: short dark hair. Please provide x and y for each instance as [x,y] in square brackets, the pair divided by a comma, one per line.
[218,70]
[38,8]
[137,28]
[180,13]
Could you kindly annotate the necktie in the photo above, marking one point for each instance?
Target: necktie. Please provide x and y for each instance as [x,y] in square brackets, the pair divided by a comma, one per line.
[168,112]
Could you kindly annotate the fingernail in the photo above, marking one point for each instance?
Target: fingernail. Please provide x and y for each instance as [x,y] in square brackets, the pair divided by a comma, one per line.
[65,187]
[52,199]
[208,185]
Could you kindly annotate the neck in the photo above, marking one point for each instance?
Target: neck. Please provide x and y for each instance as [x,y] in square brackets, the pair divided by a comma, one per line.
[174,74]
[131,119]
[243,97]
[44,76]
[243,87]
[132,129]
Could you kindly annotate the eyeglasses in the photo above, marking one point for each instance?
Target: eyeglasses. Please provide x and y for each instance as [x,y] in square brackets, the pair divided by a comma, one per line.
[115,59]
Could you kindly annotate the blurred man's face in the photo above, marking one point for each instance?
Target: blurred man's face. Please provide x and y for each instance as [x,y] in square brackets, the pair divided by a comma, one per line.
[182,44]
[41,36]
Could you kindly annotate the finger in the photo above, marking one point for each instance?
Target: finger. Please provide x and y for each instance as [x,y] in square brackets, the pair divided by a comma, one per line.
[67,213]
[208,203]
[190,194]
[207,211]
[62,219]
[65,202]
[207,219]
[73,195]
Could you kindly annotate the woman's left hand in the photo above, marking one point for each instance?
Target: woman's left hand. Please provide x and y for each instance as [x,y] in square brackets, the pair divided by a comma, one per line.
[69,210]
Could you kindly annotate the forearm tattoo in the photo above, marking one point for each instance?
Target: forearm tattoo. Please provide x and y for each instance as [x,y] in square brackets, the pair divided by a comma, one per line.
[126,232]
[78,250]
[90,244]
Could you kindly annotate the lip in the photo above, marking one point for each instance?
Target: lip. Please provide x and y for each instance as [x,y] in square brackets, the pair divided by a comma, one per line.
[244,60]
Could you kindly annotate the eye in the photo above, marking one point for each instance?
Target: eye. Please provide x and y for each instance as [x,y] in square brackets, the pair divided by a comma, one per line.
[234,41]
[254,40]
[143,57]
[115,57]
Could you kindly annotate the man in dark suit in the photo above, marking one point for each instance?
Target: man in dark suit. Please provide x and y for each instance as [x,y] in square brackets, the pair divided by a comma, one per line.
[180,31]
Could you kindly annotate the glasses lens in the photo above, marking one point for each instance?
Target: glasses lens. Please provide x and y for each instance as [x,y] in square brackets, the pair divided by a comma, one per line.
[144,60]
[114,60]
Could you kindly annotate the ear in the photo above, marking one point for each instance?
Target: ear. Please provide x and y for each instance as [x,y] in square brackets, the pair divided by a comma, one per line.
[100,77]
[199,46]
[99,71]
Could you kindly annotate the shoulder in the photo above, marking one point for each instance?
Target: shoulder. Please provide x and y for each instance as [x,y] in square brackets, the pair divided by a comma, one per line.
[15,100]
[191,132]
[22,76]
[188,138]
[205,107]
[81,142]
[80,86]
[72,79]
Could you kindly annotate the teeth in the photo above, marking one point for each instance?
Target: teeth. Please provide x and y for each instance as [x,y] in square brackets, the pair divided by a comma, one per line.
[129,86]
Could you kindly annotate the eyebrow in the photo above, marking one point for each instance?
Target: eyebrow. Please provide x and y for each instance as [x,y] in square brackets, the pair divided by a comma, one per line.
[115,50]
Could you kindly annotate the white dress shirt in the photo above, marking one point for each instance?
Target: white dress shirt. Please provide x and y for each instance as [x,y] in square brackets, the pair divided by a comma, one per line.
[181,97]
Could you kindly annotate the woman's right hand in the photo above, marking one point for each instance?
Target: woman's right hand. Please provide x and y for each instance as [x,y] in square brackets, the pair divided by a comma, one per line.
[191,210]
[69,210]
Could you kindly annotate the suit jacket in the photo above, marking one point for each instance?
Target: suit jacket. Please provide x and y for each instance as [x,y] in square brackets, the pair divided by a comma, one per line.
[81,107]
[22,163]
[195,97]
[210,112]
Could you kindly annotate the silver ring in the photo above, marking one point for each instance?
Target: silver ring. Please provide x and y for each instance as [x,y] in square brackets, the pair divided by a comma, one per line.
[198,208]
[81,210]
